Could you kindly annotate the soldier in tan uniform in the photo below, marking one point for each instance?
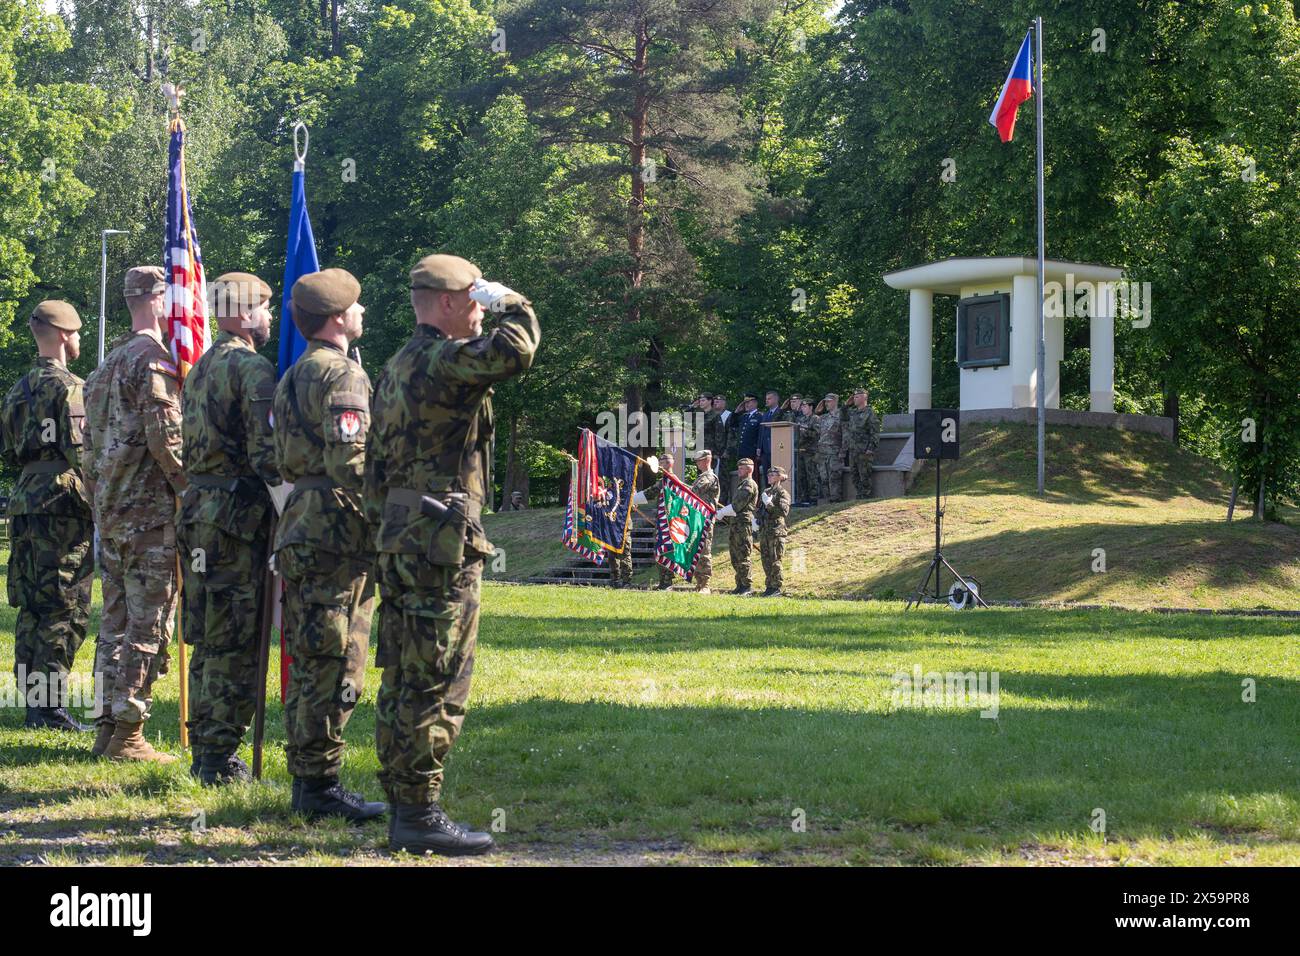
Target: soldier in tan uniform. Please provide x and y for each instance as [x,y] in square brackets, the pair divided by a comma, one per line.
[133,472]
[50,561]
[324,546]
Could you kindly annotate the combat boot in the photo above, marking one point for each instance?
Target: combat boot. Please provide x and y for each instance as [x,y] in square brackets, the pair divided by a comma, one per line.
[128,743]
[196,763]
[219,768]
[102,737]
[326,797]
[32,719]
[427,829]
[58,718]
[295,795]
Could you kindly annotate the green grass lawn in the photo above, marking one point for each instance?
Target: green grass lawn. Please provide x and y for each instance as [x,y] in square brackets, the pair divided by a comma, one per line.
[657,727]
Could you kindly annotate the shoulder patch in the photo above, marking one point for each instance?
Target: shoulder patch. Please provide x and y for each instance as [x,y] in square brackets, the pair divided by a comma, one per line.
[166,366]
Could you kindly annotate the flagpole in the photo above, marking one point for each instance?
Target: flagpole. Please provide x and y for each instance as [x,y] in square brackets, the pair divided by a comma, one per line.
[1042,325]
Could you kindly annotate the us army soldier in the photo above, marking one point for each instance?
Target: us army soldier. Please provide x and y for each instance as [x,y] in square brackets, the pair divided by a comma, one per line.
[775,501]
[50,560]
[428,475]
[132,463]
[324,545]
[861,438]
[225,522]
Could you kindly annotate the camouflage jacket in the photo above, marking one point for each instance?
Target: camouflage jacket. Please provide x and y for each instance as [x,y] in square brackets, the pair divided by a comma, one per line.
[715,433]
[433,427]
[132,450]
[771,518]
[322,416]
[744,499]
[805,427]
[707,487]
[861,428]
[830,433]
[226,407]
[42,422]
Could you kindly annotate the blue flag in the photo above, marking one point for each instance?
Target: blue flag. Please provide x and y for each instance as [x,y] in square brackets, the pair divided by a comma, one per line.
[605,499]
[299,260]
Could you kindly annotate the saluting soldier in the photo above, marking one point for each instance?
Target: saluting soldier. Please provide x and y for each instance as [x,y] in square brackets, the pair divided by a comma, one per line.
[806,457]
[428,476]
[775,501]
[132,465]
[324,546]
[861,438]
[50,560]
[740,513]
[707,487]
[830,448]
[651,498]
[225,522]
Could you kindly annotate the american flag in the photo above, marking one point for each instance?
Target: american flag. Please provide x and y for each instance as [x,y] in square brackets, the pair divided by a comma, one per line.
[187,319]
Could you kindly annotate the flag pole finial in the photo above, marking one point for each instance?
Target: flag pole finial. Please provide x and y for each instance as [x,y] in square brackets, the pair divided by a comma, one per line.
[173,94]
[300,153]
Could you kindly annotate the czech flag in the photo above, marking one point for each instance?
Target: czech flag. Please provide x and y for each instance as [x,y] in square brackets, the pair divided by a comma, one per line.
[1018,88]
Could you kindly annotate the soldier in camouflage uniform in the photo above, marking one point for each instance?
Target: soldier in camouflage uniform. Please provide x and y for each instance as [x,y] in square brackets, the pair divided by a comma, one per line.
[428,476]
[774,506]
[830,449]
[620,564]
[50,561]
[730,446]
[650,498]
[715,433]
[324,546]
[132,465]
[806,454]
[706,486]
[861,438]
[225,522]
[741,537]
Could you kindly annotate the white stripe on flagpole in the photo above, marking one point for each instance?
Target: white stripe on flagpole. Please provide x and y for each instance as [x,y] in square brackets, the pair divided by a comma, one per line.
[1042,325]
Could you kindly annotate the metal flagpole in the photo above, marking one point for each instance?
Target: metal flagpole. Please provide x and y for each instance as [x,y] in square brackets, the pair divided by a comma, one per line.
[1042,331]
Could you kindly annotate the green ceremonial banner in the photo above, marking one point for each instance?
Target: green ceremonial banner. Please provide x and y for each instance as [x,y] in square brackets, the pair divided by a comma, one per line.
[682,522]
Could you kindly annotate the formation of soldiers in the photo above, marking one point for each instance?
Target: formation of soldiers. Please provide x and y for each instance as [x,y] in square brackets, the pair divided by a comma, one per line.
[344,489]
[829,442]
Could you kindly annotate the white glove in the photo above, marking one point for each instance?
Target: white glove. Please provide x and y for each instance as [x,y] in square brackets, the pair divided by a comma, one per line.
[489,294]
[753,524]
[638,498]
[280,494]
[726,512]
[767,500]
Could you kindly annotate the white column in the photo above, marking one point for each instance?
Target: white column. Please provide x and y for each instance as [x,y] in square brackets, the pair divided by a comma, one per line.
[1101,342]
[920,348]
[1052,360]
[1024,341]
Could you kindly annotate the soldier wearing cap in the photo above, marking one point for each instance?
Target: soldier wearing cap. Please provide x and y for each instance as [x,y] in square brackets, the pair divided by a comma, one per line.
[830,447]
[428,476]
[132,465]
[324,546]
[806,457]
[49,512]
[861,438]
[651,497]
[225,521]
[706,486]
[740,515]
[774,507]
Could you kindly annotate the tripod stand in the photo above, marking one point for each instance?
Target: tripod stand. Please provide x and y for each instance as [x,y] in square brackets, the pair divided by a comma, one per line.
[939,560]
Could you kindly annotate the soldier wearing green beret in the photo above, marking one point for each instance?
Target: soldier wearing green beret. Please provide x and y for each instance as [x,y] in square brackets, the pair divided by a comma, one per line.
[324,546]
[49,512]
[428,476]
[225,521]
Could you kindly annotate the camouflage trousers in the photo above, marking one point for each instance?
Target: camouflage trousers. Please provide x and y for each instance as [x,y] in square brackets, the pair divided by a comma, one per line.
[50,572]
[139,580]
[328,603]
[772,549]
[806,483]
[224,587]
[860,463]
[620,565]
[704,563]
[428,632]
[741,545]
[830,475]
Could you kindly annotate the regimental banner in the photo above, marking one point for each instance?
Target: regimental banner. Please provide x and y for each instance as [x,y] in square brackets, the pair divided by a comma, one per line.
[683,520]
[603,492]
[187,294]
[579,539]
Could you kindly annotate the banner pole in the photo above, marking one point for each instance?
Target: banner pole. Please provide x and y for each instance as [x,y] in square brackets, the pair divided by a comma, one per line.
[1042,325]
